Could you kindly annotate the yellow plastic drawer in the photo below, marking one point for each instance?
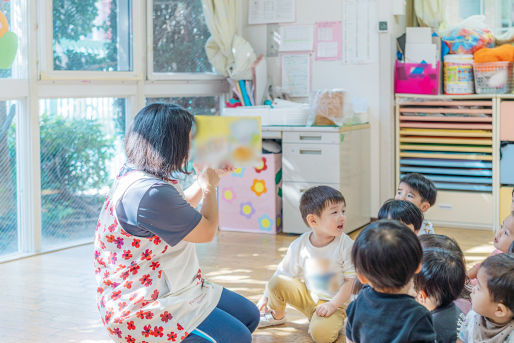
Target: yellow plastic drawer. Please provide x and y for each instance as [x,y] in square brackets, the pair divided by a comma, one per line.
[505,201]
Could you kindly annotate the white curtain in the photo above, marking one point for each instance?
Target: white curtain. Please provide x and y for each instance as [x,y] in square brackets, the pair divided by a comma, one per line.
[432,13]
[229,53]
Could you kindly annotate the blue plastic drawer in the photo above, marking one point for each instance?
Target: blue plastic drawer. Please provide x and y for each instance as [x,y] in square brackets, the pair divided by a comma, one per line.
[507,164]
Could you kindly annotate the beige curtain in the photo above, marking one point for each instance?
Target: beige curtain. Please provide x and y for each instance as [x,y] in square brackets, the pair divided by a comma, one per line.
[229,53]
[431,13]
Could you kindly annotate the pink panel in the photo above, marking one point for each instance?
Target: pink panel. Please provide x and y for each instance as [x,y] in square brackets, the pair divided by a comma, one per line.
[414,78]
[465,126]
[249,198]
[507,121]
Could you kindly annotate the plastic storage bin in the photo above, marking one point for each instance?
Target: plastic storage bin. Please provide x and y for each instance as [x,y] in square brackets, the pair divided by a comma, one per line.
[416,78]
[493,77]
[507,164]
[272,116]
[250,199]
[458,74]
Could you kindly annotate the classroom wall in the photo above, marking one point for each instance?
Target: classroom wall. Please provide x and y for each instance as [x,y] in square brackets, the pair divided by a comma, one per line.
[370,81]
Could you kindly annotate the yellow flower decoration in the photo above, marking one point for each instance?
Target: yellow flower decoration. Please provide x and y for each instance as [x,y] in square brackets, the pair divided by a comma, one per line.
[259,187]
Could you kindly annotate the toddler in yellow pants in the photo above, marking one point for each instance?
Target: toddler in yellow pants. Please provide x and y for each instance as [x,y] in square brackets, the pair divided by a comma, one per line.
[316,275]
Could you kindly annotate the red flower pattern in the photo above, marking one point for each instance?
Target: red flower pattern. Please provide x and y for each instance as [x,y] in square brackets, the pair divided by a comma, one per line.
[130,325]
[172,336]
[166,316]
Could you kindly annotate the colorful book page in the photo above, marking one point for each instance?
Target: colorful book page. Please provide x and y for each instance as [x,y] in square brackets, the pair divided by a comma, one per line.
[236,141]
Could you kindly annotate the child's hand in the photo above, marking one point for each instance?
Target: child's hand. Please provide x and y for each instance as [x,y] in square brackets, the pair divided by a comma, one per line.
[262,305]
[326,309]
[472,272]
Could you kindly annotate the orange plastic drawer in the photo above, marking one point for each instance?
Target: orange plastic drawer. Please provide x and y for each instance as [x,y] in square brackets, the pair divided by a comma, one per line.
[507,121]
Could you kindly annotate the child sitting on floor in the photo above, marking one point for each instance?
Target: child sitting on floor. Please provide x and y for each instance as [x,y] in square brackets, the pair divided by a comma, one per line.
[316,275]
[502,241]
[463,302]
[404,211]
[386,256]
[421,192]
[439,283]
[492,317]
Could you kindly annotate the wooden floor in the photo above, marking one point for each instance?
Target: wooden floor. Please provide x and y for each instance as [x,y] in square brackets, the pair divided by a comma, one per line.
[51,297]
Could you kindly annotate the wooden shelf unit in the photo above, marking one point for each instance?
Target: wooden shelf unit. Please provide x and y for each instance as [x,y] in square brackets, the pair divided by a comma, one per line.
[454,141]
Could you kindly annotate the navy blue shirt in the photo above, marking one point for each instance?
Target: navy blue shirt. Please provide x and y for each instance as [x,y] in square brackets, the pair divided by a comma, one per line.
[153,207]
[394,318]
[446,322]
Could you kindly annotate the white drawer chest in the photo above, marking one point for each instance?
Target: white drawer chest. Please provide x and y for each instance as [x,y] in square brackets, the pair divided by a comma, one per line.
[334,156]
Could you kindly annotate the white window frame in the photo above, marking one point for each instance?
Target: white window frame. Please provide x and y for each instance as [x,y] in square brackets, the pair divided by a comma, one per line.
[151,75]
[39,81]
[47,71]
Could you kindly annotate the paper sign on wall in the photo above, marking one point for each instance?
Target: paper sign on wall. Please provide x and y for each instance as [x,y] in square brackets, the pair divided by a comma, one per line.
[296,37]
[228,140]
[271,11]
[296,74]
[327,37]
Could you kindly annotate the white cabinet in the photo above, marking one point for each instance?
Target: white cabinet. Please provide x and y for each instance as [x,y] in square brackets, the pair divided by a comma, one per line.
[336,157]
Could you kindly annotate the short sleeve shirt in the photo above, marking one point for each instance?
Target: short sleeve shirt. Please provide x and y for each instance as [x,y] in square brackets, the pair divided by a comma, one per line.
[152,207]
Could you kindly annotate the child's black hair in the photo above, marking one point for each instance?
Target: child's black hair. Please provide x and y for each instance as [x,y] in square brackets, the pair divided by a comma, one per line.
[316,199]
[511,248]
[442,276]
[442,242]
[402,210]
[500,278]
[422,185]
[387,253]
[445,243]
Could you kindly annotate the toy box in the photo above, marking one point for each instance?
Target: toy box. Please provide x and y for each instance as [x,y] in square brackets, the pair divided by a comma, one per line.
[250,199]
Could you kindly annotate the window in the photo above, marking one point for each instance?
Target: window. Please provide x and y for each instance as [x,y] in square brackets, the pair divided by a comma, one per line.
[81,150]
[8,184]
[499,14]
[13,39]
[92,35]
[203,105]
[179,37]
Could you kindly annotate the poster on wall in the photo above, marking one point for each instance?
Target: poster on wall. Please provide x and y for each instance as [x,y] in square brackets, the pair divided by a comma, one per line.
[296,37]
[271,11]
[296,74]
[358,19]
[327,37]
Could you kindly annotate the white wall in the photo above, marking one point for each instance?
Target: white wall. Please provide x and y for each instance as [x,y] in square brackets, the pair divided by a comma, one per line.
[371,81]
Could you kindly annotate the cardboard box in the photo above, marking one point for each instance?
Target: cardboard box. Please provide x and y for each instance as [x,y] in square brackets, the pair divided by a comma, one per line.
[250,199]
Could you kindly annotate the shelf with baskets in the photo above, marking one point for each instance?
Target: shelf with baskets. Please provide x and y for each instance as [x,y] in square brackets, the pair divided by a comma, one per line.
[453,142]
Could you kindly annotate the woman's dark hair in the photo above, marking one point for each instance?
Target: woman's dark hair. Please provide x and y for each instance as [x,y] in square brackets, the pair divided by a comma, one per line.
[442,276]
[402,210]
[422,185]
[500,278]
[317,198]
[387,253]
[158,139]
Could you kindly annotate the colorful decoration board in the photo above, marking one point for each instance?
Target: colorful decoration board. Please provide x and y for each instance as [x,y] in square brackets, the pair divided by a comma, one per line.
[8,44]
[228,140]
[250,198]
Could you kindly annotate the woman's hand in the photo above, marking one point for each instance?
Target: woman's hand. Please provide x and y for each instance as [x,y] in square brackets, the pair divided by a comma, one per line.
[208,179]
[225,170]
